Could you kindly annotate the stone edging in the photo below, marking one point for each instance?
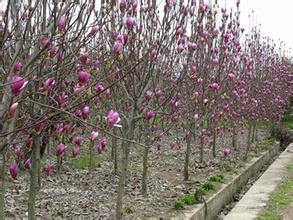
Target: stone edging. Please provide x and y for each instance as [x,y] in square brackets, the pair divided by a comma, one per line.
[222,197]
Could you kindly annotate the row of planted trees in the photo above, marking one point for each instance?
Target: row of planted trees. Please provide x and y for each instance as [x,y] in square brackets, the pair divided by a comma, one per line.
[82,73]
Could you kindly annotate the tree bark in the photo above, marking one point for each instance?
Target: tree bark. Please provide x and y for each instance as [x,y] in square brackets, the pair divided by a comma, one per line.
[214,143]
[34,178]
[145,172]
[114,151]
[124,166]
[187,156]
[234,138]
[248,140]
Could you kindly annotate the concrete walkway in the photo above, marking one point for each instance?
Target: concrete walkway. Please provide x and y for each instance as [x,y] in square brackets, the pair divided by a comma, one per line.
[254,201]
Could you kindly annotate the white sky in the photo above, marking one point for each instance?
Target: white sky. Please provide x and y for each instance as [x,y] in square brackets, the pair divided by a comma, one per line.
[275,17]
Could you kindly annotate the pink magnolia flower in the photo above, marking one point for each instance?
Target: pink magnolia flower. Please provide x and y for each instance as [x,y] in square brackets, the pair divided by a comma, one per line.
[13,170]
[49,83]
[153,55]
[215,61]
[99,149]
[78,89]
[16,67]
[83,77]
[112,119]
[130,22]
[12,109]
[62,23]
[179,31]
[159,94]
[99,88]
[149,115]
[196,117]
[29,142]
[215,86]
[230,77]
[191,46]
[117,47]
[17,85]
[94,30]
[94,136]
[103,143]
[108,94]
[75,151]
[153,128]
[62,100]
[122,5]
[60,149]
[27,164]
[148,95]
[77,140]
[47,169]
[52,52]
[85,111]
[227,152]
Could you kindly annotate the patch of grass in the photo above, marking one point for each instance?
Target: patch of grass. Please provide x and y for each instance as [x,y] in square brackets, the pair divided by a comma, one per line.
[190,199]
[208,186]
[217,178]
[280,199]
[187,199]
[178,204]
[83,162]
[128,209]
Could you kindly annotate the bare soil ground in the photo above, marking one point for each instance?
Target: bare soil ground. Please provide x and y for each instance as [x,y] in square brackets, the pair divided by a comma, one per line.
[78,194]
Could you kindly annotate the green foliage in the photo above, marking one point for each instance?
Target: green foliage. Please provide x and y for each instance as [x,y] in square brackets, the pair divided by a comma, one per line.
[128,209]
[187,199]
[280,199]
[178,204]
[208,186]
[84,162]
[217,178]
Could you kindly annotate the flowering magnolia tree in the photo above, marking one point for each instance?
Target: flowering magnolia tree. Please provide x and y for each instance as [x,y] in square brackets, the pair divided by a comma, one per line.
[79,73]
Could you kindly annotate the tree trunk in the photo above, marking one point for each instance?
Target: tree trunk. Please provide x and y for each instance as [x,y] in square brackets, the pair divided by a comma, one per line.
[201,149]
[253,133]
[124,165]
[248,140]
[114,151]
[187,156]
[2,190]
[34,178]
[145,172]
[214,143]
[122,181]
[234,138]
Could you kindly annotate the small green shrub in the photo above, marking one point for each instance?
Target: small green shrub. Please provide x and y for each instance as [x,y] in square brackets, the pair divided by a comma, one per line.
[129,209]
[208,186]
[188,199]
[217,178]
[178,204]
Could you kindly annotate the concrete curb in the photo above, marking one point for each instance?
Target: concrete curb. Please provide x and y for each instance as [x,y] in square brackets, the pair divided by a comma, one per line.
[254,201]
[217,202]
